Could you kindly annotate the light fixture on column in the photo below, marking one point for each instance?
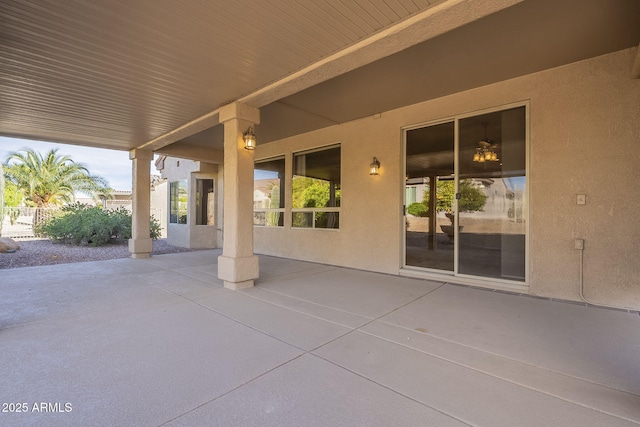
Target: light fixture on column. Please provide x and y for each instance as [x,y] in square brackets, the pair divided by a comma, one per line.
[249,139]
[486,151]
[374,167]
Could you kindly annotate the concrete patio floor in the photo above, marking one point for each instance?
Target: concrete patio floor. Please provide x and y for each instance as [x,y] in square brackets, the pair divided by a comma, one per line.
[161,342]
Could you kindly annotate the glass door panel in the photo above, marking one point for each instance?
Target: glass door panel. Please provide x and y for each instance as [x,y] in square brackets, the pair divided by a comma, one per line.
[491,188]
[429,186]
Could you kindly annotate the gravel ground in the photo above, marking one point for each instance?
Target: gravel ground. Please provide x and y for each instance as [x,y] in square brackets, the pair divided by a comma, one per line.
[43,252]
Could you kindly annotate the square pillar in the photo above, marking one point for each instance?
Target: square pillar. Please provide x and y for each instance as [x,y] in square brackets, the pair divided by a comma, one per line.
[140,244]
[238,266]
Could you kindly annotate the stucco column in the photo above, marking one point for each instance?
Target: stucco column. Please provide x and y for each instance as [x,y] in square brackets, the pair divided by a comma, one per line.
[140,245]
[238,266]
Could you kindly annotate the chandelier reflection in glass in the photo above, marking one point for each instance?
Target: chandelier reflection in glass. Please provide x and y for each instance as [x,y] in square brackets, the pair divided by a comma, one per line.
[485,153]
[486,150]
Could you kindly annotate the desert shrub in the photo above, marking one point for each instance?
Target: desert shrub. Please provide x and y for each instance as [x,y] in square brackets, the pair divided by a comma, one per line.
[84,225]
[417,209]
[155,229]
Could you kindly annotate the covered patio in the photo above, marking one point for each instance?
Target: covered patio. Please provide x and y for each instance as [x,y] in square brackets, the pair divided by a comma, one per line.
[336,330]
[160,341]
[189,80]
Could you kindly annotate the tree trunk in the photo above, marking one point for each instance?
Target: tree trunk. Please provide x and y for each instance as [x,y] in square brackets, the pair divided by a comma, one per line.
[40,213]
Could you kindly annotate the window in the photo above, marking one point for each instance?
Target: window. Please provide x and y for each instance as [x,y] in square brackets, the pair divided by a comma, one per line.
[316,188]
[178,202]
[268,193]
[205,202]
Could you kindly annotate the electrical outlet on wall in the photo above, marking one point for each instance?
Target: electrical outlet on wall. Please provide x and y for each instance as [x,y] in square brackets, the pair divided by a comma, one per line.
[579,244]
[581,199]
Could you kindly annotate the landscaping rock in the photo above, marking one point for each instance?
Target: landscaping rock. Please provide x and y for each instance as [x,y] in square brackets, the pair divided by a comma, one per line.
[44,252]
[8,245]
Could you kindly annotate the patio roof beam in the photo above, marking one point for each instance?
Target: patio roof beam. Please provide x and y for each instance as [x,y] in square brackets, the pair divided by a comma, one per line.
[193,152]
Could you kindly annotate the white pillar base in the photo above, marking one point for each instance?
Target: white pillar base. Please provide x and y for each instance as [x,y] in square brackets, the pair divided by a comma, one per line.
[236,286]
[238,273]
[140,248]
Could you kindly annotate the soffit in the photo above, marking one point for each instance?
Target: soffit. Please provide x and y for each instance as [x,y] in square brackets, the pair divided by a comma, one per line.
[118,73]
[531,36]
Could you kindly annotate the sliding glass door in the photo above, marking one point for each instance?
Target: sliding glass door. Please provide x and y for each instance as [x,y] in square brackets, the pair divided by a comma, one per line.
[429,183]
[465,195]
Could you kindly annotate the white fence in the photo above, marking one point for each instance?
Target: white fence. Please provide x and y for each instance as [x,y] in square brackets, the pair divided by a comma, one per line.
[18,222]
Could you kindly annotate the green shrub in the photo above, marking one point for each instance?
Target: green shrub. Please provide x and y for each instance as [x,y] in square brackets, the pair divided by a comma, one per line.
[154,230]
[417,209]
[84,225]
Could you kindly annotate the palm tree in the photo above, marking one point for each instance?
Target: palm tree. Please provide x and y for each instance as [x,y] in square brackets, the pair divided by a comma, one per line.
[52,179]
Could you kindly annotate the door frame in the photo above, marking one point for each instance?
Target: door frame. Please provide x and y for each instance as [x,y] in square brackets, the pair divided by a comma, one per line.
[454,276]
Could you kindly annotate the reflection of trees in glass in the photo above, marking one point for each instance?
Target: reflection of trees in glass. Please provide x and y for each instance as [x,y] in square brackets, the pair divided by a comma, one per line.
[273,218]
[178,202]
[327,220]
[314,193]
[182,208]
[418,209]
[268,200]
[471,197]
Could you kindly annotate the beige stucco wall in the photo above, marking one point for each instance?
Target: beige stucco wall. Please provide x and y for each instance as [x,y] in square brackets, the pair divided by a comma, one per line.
[585,125]
[584,136]
[159,206]
[371,206]
[190,235]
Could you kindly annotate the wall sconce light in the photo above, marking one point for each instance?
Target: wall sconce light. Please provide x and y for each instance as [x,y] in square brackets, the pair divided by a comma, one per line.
[249,139]
[374,167]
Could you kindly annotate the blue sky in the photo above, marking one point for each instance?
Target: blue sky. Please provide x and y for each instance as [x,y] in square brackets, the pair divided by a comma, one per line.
[112,165]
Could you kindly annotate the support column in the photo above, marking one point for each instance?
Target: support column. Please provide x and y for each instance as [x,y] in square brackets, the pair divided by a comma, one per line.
[140,244]
[433,212]
[238,266]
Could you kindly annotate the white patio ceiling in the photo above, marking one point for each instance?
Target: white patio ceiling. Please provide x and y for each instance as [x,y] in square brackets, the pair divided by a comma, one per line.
[128,73]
